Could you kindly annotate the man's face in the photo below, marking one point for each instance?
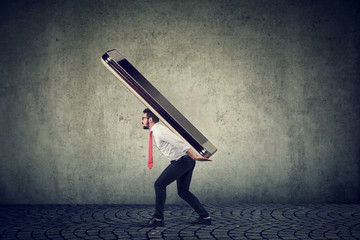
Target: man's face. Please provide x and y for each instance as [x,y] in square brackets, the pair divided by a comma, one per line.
[145,121]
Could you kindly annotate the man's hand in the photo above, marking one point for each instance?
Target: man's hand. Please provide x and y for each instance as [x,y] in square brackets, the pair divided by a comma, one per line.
[196,157]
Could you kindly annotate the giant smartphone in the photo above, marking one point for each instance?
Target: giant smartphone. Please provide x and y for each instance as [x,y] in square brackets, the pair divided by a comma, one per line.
[156,102]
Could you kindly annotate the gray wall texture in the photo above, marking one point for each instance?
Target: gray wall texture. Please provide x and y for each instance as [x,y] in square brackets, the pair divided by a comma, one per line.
[273,84]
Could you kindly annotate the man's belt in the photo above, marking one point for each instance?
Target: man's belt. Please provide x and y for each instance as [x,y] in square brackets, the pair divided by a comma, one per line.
[156,102]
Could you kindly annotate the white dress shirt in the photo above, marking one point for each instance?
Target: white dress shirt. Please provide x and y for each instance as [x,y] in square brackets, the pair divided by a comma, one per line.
[170,145]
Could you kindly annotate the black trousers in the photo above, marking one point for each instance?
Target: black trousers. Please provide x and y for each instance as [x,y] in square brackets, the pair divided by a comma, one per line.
[181,171]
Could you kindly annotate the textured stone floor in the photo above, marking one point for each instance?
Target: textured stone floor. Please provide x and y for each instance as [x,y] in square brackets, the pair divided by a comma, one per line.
[231,221]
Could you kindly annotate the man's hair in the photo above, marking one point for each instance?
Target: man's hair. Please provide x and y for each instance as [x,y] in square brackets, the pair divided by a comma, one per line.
[150,114]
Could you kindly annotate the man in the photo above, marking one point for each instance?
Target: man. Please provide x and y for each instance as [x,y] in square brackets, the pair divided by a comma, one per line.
[182,163]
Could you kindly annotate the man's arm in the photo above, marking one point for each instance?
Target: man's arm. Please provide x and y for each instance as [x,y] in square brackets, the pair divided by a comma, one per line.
[196,157]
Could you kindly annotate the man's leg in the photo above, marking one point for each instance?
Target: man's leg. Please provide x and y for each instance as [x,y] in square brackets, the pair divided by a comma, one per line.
[169,175]
[183,186]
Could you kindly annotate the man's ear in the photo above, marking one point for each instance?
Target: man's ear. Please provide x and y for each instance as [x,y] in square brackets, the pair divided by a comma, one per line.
[149,119]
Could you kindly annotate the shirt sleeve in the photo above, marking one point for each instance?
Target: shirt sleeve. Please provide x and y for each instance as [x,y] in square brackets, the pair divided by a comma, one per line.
[174,141]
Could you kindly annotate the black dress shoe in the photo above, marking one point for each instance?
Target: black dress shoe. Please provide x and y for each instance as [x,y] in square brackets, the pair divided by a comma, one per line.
[154,223]
[203,221]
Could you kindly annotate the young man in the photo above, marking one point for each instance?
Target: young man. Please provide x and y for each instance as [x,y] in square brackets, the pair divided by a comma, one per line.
[182,163]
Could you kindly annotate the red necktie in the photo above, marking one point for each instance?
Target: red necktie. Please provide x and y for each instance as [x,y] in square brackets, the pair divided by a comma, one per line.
[150,161]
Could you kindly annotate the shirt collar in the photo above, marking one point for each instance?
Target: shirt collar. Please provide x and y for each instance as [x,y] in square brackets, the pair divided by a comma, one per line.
[154,127]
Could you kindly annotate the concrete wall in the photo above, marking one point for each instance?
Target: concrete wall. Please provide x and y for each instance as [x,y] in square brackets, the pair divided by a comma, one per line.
[273,84]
